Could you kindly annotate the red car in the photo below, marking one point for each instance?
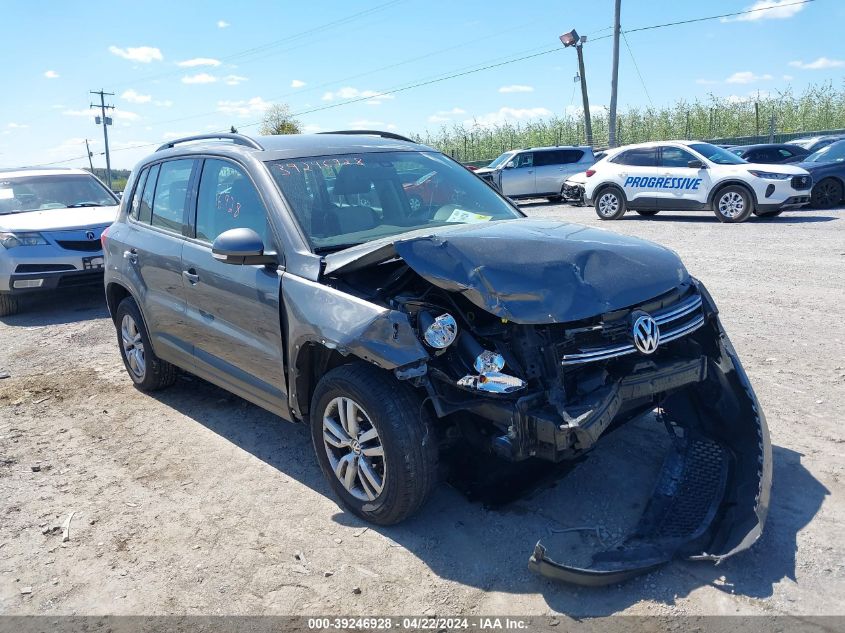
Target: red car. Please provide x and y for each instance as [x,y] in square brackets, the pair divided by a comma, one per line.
[430,190]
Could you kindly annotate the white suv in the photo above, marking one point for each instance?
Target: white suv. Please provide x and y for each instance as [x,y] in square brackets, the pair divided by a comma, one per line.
[691,175]
[50,226]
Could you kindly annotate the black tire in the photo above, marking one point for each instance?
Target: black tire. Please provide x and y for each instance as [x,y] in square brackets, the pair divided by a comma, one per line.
[610,204]
[404,431]
[415,202]
[9,304]
[157,374]
[827,193]
[647,212]
[733,204]
[768,214]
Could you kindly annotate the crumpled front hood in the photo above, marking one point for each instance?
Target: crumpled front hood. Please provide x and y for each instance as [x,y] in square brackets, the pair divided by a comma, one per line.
[533,271]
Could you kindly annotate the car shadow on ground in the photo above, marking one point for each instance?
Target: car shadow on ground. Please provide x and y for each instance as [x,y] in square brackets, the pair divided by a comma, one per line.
[467,542]
[690,216]
[59,307]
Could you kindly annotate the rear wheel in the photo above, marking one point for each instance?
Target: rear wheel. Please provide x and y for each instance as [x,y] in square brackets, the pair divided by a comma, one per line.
[9,304]
[647,212]
[147,371]
[374,442]
[610,204]
[732,204]
[827,193]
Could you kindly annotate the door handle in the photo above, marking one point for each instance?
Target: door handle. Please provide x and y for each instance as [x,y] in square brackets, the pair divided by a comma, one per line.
[191,275]
[131,255]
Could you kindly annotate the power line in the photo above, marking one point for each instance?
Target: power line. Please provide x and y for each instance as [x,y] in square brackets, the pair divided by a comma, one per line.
[637,68]
[710,17]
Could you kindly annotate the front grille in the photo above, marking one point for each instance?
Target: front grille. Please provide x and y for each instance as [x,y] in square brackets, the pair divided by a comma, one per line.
[88,246]
[43,268]
[74,280]
[675,321]
[802,182]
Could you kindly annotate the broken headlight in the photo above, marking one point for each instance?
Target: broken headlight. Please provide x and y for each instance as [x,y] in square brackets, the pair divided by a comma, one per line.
[439,332]
[490,378]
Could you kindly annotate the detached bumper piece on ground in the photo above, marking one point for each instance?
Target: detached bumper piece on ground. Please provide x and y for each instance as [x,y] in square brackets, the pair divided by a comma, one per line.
[712,495]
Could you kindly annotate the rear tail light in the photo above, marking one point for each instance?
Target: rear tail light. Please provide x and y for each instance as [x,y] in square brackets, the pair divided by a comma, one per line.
[590,172]
[103,237]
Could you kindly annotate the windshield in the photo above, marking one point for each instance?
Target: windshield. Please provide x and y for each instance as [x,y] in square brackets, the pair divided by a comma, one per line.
[806,143]
[340,201]
[717,154]
[502,159]
[19,194]
[834,153]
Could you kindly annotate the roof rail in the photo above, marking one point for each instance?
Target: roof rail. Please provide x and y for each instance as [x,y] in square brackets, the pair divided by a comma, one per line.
[395,137]
[237,139]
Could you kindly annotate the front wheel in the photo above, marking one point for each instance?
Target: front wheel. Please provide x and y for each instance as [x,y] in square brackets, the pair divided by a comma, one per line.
[9,304]
[374,442]
[732,204]
[148,371]
[826,194]
[610,204]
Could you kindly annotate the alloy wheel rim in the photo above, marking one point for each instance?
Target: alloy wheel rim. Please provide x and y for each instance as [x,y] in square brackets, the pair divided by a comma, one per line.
[826,193]
[608,204]
[133,346]
[415,203]
[731,204]
[354,449]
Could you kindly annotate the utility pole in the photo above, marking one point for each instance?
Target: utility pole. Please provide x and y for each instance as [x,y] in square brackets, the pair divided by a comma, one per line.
[88,151]
[614,77]
[573,39]
[106,121]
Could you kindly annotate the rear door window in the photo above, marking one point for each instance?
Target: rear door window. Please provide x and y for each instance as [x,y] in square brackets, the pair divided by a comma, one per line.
[557,157]
[171,195]
[135,208]
[640,157]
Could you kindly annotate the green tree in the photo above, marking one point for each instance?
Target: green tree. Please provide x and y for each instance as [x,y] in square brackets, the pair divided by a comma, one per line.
[278,120]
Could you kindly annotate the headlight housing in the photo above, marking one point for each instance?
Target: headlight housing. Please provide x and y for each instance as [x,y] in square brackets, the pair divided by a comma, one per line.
[12,240]
[439,332]
[769,175]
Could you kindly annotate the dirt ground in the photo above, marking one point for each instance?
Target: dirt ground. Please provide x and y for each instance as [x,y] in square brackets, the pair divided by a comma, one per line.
[194,502]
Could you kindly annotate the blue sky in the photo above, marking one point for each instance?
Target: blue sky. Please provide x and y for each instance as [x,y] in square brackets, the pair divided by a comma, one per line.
[182,67]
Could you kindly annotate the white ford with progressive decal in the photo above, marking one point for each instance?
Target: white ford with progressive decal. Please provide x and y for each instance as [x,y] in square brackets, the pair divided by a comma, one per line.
[691,175]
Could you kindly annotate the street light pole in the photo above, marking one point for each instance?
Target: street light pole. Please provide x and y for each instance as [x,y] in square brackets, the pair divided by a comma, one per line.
[573,39]
[106,121]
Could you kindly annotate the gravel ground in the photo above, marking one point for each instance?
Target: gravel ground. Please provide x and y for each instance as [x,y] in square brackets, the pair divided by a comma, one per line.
[194,502]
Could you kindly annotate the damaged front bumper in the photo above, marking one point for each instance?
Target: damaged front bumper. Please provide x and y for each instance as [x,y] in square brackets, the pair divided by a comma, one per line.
[712,495]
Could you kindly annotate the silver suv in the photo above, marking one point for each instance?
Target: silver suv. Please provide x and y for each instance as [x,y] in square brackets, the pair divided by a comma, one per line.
[294,272]
[538,172]
[50,226]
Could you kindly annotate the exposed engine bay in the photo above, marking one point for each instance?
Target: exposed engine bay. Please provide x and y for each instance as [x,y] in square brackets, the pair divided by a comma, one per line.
[530,360]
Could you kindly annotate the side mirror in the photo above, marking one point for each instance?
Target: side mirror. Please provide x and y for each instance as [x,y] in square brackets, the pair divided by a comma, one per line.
[696,164]
[241,247]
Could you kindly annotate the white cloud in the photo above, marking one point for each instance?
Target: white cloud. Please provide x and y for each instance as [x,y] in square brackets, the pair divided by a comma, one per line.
[199,78]
[746,77]
[142,54]
[788,77]
[436,118]
[222,24]
[51,74]
[768,10]
[166,103]
[242,109]
[199,61]
[516,88]
[373,97]
[443,116]
[706,82]
[234,80]
[822,63]
[117,115]
[17,126]
[506,114]
[133,96]
[297,83]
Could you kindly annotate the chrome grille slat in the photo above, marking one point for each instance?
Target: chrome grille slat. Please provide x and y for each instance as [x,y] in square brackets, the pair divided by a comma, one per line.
[674,313]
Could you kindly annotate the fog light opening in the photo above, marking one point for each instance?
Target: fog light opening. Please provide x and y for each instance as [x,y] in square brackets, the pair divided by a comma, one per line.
[28,283]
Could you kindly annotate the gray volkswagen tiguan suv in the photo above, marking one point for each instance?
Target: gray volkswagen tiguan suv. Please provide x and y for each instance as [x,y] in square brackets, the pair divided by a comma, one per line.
[294,272]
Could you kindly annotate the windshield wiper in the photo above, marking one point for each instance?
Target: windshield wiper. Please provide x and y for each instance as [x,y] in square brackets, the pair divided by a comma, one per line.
[335,247]
[87,204]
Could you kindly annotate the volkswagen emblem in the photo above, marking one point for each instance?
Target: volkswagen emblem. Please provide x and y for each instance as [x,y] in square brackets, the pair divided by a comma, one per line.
[646,334]
[91,235]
